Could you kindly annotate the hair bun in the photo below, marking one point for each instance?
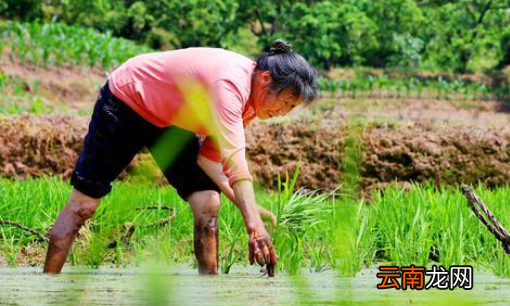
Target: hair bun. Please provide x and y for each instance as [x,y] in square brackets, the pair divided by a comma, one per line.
[280,46]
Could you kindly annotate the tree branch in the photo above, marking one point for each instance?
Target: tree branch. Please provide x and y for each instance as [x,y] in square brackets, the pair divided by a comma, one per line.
[261,21]
[487,217]
[480,19]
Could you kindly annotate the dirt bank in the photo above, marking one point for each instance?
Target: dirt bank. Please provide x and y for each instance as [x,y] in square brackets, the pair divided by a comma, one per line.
[40,145]
[416,152]
[442,154]
[278,148]
[47,145]
[71,86]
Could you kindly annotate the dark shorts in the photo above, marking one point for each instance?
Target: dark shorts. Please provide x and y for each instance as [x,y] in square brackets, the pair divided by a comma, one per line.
[117,133]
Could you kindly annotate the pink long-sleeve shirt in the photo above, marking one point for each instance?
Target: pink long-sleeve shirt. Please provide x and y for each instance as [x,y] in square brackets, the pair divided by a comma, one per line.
[202,90]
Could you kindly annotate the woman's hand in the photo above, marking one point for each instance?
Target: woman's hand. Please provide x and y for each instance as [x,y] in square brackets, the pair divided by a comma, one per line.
[261,247]
[260,243]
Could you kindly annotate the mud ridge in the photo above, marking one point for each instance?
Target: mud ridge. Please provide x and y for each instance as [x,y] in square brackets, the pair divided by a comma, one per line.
[49,145]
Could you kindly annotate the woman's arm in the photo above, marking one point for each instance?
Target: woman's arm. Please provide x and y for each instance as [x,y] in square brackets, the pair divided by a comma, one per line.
[261,245]
[215,171]
[229,133]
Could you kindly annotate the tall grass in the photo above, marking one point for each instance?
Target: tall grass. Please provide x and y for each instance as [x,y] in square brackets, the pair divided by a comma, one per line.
[420,226]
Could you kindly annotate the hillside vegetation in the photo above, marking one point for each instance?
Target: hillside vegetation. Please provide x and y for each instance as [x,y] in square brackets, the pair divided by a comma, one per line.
[460,36]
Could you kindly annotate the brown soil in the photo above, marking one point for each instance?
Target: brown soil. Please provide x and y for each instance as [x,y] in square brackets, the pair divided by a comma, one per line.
[39,146]
[472,113]
[278,148]
[444,155]
[414,153]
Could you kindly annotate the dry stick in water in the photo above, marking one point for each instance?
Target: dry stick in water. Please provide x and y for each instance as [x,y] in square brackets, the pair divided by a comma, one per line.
[164,221]
[131,227]
[40,237]
[487,218]
[112,244]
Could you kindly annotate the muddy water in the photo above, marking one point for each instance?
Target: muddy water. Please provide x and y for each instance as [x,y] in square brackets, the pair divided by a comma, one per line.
[181,286]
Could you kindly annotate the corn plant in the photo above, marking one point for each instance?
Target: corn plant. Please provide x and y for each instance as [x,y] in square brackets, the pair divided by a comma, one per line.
[57,44]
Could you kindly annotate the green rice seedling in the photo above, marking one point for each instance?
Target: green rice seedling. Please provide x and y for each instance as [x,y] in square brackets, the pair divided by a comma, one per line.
[318,252]
[296,213]
[37,106]
[449,235]
[447,88]
[439,88]
[356,86]
[466,90]
[160,289]
[410,85]
[3,80]
[347,224]
[370,85]
[420,225]
[232,236]
[473,91]
[399,86]
[457,86]
[333,87]
[420,88]
[382,84]
[2,44]
[344,237]
[96,251]
[324,84]
[366,237]
[345,87]
[9,250]
[485,91]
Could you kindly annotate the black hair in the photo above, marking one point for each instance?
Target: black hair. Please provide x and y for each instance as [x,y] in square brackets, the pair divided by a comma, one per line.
[289,70]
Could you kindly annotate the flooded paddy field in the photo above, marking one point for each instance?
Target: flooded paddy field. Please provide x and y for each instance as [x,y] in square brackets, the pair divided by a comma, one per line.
[181,286]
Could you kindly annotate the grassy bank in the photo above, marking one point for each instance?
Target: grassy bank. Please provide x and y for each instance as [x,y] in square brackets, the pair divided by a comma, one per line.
[418,226]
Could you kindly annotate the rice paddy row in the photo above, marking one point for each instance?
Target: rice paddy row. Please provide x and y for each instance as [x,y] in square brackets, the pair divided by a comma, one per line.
[420,226]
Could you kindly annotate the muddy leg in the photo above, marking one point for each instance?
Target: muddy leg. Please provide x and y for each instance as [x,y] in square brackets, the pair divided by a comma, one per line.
[205,206]
[78,209]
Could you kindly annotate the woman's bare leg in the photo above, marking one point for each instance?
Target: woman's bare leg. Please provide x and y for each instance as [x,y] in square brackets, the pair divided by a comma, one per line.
[205,206]
[78,209]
